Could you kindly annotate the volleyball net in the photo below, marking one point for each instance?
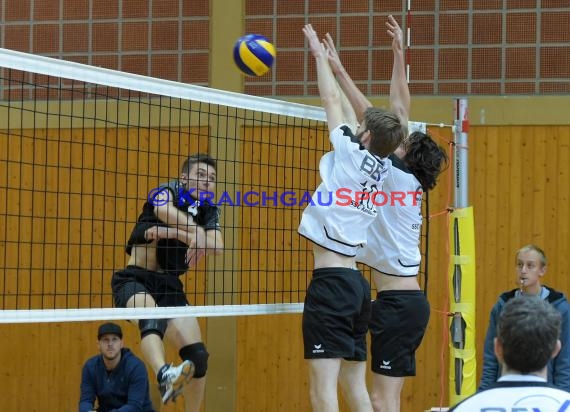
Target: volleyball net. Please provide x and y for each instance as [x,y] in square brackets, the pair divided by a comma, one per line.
[82,147]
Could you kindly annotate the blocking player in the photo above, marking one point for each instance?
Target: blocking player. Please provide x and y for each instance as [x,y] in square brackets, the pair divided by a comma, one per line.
[337,304]
[400,312]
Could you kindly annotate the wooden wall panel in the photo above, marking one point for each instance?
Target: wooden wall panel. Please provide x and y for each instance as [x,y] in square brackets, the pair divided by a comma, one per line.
[271,372]
[69,200]
[274,257]
[519,186]
[524,200]
[71,197]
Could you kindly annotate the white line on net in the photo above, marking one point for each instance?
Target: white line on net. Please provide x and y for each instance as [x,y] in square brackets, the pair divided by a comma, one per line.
[96,314]
[123,80]
[97,75]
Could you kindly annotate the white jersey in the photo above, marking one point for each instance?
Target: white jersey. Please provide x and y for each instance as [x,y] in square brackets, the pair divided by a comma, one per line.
[337,219]
[394,238]
[531,394]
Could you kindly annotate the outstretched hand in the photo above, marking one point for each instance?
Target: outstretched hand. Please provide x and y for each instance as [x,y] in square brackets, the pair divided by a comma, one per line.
[316,47]
[396,33]
[332,54]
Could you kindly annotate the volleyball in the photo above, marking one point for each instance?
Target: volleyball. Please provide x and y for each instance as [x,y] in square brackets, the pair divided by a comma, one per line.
[254,54]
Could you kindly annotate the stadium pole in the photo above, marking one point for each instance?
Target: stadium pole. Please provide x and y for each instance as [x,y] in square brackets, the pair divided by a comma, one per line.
[462,367]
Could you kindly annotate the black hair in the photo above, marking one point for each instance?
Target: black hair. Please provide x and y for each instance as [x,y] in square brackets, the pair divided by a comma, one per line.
[528,330]
[197,158]
[425,159]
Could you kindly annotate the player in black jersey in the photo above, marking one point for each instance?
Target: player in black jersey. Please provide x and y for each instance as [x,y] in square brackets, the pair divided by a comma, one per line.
[172,233]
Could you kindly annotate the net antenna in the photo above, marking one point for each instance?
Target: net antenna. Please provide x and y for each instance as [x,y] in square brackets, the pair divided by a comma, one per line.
[408,37]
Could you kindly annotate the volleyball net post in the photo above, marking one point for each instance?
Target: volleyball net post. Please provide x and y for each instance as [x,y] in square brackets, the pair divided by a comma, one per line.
[462,359]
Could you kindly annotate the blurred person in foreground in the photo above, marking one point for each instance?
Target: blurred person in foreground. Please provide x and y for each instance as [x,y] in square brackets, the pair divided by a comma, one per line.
[527,339]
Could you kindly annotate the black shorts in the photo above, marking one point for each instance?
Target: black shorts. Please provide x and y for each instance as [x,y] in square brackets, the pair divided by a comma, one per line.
[166,290]
[336,315]
[398,324]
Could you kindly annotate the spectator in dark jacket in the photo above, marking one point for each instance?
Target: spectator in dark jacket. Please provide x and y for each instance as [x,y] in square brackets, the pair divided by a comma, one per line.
[531,266]
[116,378]
[527,338]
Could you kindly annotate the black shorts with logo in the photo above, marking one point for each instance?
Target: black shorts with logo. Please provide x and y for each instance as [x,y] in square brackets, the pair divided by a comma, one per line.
[397,327]
[166,290]
[336,315]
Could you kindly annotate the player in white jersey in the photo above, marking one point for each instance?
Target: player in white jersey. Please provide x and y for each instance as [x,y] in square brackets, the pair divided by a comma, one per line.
[394,239]
[527,338]
[347,171]
[337,304]
[400,312]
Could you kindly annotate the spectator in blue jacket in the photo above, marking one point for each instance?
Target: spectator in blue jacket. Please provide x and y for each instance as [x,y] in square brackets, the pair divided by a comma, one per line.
[116,378]
[531,266]
[527,338]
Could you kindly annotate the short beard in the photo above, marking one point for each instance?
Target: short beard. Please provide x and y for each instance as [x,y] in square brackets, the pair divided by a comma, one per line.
[110,359]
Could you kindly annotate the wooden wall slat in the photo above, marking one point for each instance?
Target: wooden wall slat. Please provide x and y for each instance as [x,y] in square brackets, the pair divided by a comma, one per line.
[513,176]
[532,195]
[73,196]
[559,149]
[519,187]
[70,199]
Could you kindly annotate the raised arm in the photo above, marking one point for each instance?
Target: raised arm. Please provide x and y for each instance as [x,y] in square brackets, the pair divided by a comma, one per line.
[328,87]
[399,90]
[347,110]
[356,98]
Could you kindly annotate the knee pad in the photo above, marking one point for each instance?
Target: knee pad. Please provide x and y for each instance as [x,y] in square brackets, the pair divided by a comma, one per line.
[198,355]
[152,326]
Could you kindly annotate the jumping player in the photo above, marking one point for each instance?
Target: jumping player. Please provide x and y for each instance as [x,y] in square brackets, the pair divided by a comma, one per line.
[400,312]
[337,304]
[172,233]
